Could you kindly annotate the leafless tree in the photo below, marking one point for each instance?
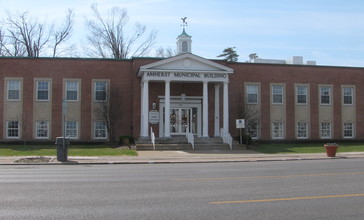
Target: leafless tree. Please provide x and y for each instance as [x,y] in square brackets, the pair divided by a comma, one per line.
[164,53]
[109,112]
[108,37]
[27,32]
[63,33]
[246,111]
[27,36]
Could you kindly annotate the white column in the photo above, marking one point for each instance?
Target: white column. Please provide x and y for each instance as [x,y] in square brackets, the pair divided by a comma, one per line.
[217,110]
[205,109]
[141,109]
[145,109]
[167,110]
[226,107]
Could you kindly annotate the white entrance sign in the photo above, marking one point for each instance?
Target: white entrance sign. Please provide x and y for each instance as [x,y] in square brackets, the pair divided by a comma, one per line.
[154,117]
[240,123]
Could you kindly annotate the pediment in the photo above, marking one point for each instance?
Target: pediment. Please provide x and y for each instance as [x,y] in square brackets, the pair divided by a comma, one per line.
[185,63]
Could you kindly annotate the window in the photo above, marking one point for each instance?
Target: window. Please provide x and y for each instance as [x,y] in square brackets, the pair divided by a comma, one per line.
[326,130]
[14,90]
[301,94]
[42,90]
[184,46]
[100,91]
[72,129]
[348,130]
[302,130]
[277,130]
[252,91]
[12,129]
[100,130]
[71,90]
[325,92]
[252,130]
[277,92]
[42,129]
[348,95]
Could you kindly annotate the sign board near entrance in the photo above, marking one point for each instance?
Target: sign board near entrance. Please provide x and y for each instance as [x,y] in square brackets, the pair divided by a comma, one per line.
[154,117]
[240,123]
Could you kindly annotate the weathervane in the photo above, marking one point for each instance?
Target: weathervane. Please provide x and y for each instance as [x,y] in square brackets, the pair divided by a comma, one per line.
[184,22]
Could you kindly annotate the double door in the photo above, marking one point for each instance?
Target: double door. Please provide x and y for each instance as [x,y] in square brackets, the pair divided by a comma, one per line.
[180,120]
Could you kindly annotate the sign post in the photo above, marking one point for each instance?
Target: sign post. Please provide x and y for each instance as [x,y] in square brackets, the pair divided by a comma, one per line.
[240,123]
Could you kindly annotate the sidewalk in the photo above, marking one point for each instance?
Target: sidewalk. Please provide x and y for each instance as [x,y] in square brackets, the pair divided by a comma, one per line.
[150,157]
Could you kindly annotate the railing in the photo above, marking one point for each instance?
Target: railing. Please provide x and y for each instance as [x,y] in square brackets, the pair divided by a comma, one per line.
[152,136]
[190,139]
[226,138]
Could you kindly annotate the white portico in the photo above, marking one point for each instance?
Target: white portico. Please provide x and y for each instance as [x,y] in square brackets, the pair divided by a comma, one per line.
[191,111]
[185,112]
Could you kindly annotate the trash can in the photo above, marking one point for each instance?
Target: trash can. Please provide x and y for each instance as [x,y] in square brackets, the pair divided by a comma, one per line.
[62,148]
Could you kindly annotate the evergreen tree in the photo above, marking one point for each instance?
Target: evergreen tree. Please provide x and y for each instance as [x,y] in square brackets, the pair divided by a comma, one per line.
[229,54]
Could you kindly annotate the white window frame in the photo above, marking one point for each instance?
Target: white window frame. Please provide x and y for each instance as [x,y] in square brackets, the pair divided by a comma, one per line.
[68,129]
[345,129]
[327,128]
[42,89]
[38,129]
[302,128]
[344,93]
[256,93]
[96,90]
[71,88]
[276,92]
[322,93]
[256,131]
[280,131]
[298,94]
[7,130]
[8,89]
[96,128]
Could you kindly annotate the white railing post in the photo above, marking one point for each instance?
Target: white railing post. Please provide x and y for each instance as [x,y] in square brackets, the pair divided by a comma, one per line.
[190,139]
[152,137]
[226,138]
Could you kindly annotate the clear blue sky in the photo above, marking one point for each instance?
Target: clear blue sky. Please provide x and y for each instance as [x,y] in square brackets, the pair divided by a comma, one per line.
[330,32]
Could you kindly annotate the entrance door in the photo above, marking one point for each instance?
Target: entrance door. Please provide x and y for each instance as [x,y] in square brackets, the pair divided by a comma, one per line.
[181,120]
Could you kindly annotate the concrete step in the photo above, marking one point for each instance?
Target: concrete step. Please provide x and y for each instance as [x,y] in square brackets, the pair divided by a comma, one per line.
[183,147]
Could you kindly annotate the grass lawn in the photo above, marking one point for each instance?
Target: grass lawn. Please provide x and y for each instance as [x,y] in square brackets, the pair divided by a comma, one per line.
[73,150]
[306,148]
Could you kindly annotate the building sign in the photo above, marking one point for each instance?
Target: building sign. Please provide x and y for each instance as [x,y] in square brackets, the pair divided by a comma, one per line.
[154,117]
[190,76]
[240,123]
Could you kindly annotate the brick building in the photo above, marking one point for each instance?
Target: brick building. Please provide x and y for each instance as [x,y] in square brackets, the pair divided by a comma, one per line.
[178,95]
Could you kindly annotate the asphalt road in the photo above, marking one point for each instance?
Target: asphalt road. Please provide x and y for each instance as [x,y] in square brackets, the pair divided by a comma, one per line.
[310,189]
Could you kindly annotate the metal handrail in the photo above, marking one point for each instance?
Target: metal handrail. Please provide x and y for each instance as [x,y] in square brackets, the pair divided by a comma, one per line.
[152,137]
[190,139]
[226,138]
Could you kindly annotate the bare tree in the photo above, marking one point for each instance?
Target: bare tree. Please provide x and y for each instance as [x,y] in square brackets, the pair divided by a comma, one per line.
[109,112]
[249,112]
[108,37]
[27,32]
[164,53]
[63,33]
[27,36]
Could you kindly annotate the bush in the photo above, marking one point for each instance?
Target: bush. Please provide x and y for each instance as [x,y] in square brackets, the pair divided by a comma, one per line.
[246,139]
[126,140]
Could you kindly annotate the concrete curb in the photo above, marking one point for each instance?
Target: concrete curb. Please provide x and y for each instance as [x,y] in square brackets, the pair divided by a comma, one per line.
[104,161]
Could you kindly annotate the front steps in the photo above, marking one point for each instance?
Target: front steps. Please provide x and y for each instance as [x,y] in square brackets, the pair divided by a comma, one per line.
[180,143]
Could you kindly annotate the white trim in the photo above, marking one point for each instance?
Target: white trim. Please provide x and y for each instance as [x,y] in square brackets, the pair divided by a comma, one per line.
[7,127]
[36,129]
[178,102]
[94,131]
[78,83]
